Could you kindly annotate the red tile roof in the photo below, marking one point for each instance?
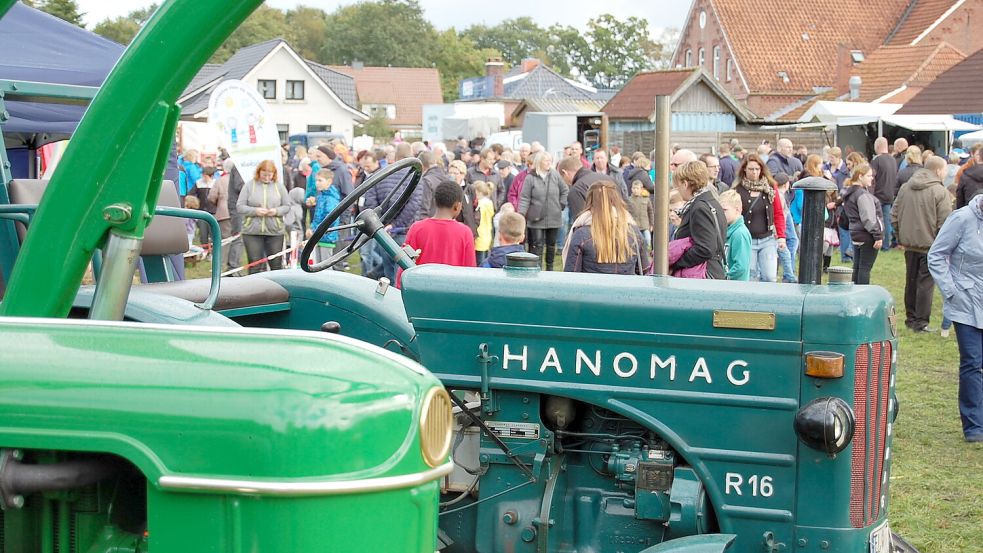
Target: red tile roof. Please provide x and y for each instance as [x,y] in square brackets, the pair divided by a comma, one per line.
[768,37]
[890,67]
[922,15]
[408,88]
[955,91]
[636,100]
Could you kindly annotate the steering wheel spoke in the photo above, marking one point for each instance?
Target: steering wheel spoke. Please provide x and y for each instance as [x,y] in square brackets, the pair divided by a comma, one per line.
[366,227]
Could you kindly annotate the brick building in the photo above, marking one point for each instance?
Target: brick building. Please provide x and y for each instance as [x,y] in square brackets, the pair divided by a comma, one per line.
[779,57]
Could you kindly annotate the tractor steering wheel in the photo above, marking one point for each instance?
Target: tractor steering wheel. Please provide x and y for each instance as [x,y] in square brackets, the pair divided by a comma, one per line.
[366,224]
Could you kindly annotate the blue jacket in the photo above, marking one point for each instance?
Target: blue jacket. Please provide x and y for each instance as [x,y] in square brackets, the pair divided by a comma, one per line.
[497,257]
[311,189]
[188,176]
[956,263]
[327,200]
[777,163]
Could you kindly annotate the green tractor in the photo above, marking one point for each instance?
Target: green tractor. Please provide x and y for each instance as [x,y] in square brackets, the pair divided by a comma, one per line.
[290,410]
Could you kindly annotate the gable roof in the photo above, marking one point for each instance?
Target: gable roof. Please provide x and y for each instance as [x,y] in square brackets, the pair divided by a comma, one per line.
[408,88]
[954,91]
[806,49]
[549,105]
[543,82]
[195,97]
[920,16]
[636,100]
[894,73]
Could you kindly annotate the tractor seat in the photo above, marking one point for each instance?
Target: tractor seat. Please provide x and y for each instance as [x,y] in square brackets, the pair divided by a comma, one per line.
[235,293]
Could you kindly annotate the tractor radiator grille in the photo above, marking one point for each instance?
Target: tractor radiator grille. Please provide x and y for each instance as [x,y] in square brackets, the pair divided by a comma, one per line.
[870,404]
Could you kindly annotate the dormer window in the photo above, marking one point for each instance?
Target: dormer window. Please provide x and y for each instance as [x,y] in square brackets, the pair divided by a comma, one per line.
[857,56]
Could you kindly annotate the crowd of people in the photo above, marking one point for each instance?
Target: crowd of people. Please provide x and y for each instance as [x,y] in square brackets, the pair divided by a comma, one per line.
[733,215]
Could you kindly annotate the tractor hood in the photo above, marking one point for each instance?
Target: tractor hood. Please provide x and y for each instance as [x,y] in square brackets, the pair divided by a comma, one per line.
[212,402]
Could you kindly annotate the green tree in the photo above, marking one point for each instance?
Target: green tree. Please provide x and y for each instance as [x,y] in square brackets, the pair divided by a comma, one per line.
[610,52]
[456,58]
[264,24]
[62,9]
[568,49]
[122,29]
[387,32]
[377,127]
[306,31]
[667,41]
[516,39]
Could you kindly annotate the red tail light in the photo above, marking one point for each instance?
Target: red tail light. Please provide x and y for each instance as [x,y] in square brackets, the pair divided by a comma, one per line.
[870,404]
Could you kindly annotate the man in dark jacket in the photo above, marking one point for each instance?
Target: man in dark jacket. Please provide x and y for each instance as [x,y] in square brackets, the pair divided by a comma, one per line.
[728,166]
[885,170]
[579,180]
[401,223]
[432,176]
[920,208]
[782,160]
[971,181]
[485,170]
[602,166]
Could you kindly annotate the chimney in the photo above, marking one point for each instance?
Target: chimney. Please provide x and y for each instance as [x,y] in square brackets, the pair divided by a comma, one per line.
[529,64]
[844,66]
[495,72]
[855,83]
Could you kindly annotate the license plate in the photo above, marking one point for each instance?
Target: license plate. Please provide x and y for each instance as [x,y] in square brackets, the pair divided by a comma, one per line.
[880,539]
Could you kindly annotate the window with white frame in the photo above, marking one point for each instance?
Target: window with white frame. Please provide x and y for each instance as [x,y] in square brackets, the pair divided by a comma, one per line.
[701,57]
[716,62]
[385,110]
[730,69]
[295,90]
[689,58]
[267,89]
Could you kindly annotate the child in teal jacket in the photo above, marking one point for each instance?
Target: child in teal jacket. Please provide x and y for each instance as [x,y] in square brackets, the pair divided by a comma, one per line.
[738,247]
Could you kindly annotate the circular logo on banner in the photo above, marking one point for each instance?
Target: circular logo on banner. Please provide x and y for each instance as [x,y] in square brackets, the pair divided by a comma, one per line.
[245,127]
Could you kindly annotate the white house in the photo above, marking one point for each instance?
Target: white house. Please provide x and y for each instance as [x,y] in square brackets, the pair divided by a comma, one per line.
[303,96]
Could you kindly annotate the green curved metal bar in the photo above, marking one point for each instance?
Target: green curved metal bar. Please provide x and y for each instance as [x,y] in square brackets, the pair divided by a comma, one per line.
[122,143]
[209,302]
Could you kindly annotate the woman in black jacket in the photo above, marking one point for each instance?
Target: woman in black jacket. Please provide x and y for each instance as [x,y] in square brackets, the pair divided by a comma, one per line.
[702,220]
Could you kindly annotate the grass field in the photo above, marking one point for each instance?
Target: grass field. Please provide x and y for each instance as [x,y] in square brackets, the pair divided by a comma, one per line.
[937,478]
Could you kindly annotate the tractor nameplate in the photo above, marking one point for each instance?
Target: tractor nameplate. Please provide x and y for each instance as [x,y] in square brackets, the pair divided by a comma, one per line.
[749,320]
[521,430]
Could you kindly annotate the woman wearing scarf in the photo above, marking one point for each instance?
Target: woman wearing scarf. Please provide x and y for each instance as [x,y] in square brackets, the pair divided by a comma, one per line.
[702,221]
[763,215]
[604,237]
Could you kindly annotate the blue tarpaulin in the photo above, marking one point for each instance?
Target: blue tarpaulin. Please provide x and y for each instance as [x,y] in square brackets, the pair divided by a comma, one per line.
[35,46]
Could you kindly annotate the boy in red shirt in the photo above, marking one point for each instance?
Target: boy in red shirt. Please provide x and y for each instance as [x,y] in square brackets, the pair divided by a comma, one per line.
[441,239]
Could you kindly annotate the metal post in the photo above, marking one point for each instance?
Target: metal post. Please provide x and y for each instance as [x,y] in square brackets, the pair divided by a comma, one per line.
[660,238]
[113,287]
[813,222]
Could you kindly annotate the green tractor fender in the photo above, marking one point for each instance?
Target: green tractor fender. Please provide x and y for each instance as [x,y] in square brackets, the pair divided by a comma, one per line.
[706,543]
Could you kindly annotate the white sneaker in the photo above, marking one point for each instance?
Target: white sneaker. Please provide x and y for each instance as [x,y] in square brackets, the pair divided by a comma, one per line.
[944,332]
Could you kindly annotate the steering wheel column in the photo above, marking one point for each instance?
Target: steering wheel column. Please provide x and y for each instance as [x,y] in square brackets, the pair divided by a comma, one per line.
[371,225]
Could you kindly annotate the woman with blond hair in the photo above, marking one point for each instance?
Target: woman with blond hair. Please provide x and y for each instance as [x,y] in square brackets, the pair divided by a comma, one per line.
[262,204]
[604,238]
[701,220]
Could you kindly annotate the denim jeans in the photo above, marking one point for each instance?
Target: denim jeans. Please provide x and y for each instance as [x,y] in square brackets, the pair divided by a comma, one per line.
[388,265]
[864,256]
[764,259]
[371,260]
[970,379]
[787,256]
[889,238]
[846,245]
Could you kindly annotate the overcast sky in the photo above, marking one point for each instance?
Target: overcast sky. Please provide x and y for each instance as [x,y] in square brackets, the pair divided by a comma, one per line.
[447,13]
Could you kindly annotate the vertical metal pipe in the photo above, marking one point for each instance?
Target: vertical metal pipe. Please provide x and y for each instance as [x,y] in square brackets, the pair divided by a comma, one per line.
[813,222]
[660,235]
[113,287]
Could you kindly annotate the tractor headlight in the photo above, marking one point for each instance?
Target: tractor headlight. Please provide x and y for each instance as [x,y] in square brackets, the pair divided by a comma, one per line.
[826,424]
[435,426]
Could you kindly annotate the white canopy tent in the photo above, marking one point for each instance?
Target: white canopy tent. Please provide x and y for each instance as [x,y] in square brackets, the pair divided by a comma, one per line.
[971,138]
